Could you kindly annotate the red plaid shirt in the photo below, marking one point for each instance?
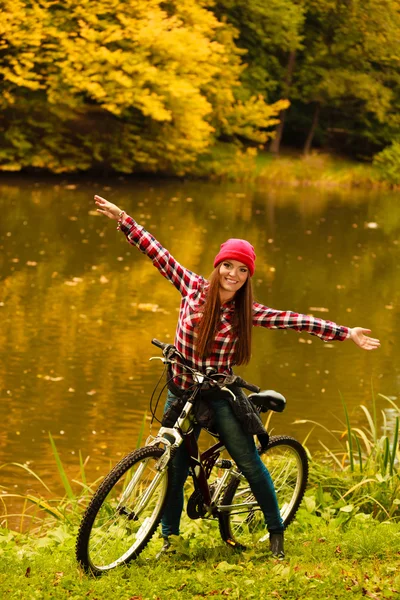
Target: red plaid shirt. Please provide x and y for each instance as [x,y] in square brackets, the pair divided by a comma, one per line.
[193,289]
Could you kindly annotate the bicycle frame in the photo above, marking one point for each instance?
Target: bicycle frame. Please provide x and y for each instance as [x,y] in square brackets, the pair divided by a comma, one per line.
[202,464]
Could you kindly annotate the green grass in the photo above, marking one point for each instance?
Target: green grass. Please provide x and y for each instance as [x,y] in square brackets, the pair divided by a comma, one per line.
[318,170]
[346,538]
[290,168]
[323,561]
[360,470]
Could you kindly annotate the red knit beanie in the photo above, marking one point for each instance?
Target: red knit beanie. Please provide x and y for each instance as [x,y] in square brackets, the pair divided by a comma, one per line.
[240,250]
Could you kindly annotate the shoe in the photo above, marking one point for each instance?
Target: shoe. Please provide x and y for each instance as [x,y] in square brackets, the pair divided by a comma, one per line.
[276,545]
[166,549]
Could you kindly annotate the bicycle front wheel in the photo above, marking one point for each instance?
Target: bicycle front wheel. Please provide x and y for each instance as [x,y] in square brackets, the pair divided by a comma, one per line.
[123,513]
[241,521]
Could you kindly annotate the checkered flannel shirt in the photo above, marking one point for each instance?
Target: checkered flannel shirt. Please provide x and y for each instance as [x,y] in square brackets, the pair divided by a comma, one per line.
[193,289]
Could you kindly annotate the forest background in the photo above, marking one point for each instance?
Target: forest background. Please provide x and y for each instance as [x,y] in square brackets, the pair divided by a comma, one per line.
[197,87]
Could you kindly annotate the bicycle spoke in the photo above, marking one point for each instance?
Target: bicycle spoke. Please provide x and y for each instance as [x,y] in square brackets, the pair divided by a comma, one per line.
[241,519]
[124,512]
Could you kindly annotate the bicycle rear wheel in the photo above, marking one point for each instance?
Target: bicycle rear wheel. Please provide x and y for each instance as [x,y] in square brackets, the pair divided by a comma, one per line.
[243,524]
[123,513]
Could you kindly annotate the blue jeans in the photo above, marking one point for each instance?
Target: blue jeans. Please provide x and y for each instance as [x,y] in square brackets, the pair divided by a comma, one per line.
[242,449]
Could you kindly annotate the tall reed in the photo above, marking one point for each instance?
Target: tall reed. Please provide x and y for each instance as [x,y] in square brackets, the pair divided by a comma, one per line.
[363,468]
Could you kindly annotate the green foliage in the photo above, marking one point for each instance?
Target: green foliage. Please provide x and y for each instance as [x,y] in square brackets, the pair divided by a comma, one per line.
[128,86]
[364,474]
[268,31]
[349,66]
[323,561]
[387,163]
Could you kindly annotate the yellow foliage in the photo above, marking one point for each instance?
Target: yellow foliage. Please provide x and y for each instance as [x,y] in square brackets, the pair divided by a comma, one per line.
[138,84]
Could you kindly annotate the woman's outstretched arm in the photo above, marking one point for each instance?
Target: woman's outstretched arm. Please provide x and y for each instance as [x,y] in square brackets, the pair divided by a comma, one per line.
[326,330]
[183,279]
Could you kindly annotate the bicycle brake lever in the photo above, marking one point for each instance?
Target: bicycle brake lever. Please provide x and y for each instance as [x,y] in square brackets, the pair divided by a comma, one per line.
[166,361]
[225,389]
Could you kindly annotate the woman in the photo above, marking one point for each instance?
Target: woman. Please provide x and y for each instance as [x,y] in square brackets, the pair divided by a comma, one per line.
[214,330]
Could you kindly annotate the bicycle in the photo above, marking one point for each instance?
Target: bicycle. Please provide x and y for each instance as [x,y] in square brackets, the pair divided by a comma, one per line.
[126,509]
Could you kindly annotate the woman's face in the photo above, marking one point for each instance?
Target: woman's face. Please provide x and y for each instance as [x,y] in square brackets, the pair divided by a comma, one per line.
[232,276]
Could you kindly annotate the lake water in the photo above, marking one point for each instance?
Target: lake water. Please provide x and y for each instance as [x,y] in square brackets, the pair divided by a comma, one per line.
[79,306]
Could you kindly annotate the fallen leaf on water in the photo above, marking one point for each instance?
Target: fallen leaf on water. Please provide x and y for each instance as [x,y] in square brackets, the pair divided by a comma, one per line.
[148,307]
[94,213]
[103,279]
[70,186]
[50,378]
[371,225]
[73,218]
[91,393]
[31,263]
[318,309]
[389,306]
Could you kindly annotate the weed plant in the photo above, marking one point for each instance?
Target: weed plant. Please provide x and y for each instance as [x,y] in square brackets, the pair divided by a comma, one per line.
[362,473]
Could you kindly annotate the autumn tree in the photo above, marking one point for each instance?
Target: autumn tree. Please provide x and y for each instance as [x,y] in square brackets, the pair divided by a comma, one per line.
[347,75]
[271,33]
[139,85]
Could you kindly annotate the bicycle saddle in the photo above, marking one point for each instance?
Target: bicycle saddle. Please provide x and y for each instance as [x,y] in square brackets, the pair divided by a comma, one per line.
[268,400]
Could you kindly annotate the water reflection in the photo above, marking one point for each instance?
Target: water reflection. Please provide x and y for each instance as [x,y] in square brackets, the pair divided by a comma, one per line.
[79,305]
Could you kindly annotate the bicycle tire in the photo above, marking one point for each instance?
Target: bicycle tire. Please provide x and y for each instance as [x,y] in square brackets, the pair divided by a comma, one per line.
[115,528]
[287,462]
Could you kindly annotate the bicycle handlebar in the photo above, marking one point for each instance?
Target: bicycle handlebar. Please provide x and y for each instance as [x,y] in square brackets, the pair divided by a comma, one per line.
[159,344]
[248,386]
[230,379]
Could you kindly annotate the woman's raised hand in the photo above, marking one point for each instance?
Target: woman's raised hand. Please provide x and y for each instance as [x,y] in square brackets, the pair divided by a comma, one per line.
[357,334]
[107,208]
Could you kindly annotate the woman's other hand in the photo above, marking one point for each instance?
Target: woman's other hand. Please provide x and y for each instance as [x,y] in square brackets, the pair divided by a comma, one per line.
[107,208]
[357,334]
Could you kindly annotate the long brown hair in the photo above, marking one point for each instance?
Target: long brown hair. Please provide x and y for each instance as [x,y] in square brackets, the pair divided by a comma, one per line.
[242,322]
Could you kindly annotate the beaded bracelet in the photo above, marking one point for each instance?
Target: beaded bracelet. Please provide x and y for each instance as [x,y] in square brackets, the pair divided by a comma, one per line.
[120,217]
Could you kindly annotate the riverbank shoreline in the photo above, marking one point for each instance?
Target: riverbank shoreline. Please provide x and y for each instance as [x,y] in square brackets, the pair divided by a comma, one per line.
[320,170]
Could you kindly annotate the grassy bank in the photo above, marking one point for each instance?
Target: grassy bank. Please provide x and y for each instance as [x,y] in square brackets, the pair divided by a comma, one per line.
[346,538]
[292,168]
[319,170]
[325,560]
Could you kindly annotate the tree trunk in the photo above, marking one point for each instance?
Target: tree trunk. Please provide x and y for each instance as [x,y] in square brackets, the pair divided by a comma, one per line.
[276,142]
[310,137]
